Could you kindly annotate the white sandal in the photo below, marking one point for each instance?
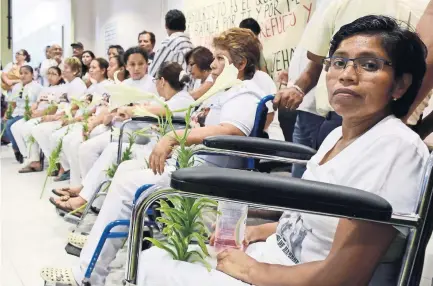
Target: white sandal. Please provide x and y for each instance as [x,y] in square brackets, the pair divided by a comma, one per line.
[62,276]
[77,240]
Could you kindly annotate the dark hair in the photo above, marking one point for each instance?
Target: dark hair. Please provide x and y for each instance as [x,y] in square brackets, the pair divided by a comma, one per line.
[201,56]
[151,35]
[406,50]
[119,49]
[175,20]
[26,55]
[103,64]
[27,67]
[84,68]
[135,50]
[121,64]
[59,71]
[251,24]
[170,71]
[241,44]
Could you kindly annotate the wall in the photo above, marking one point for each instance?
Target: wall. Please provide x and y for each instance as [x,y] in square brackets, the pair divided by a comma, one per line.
[116,22]
[38,23]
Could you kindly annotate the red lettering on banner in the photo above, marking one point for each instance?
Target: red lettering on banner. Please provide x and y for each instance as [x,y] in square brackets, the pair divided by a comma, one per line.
[277,25]
[309,11]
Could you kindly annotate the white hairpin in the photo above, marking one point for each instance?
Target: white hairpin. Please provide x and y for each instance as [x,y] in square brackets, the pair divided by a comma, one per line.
[182,74]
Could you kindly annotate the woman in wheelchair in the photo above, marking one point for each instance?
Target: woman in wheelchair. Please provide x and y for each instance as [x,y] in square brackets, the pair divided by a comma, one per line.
[170,83]
[374,71]
[219,115]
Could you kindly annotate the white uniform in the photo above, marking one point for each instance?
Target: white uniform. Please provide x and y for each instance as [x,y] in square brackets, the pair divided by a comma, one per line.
[387,160]
[221,108]
[31,90]
[73,139]
[90,150]
[22,129]
[42,132]
[97,173]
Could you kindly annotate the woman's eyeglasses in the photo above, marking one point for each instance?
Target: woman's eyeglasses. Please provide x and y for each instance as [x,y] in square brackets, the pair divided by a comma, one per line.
[361,65]
[19,54]
[155,79]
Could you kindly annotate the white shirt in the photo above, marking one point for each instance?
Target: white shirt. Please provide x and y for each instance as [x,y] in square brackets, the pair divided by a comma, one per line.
[267,85]
[145,83]
[31,90]
[71,90]
[45,66]
[48,94]
[236,106]
[180,100]
[387,160]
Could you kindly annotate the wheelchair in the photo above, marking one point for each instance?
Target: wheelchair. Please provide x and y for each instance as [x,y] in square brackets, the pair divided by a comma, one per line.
[250,164]
[284,193]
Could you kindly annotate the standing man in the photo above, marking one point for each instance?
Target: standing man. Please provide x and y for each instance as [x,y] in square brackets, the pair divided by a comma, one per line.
[55,53]
[173,48]
[77,49]
[254,26]
[146,41]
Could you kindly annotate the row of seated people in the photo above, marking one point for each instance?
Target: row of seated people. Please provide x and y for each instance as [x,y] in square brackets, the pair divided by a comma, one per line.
[374,71]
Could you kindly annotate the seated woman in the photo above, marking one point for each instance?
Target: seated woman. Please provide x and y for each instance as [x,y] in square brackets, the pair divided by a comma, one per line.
[116,64]
[21,130]
[374,72]
[10,75]
[26,88]
[199,60]
[115,51]
[75,127]
[73,89]
[86,59]
[219,115]
[90,150]
[172,90]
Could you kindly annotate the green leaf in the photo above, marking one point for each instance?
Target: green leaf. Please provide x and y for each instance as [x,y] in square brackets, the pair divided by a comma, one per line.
[161,245]
[200,241]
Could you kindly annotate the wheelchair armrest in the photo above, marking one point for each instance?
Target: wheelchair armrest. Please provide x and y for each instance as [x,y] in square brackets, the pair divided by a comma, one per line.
[282,192]
[175,120]
[260,146]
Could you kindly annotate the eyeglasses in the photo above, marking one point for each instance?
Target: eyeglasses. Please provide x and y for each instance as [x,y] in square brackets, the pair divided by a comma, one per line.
[155,79]
[361,65]
[19,54]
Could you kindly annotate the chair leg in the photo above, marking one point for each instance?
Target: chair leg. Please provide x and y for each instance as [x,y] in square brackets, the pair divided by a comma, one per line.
[90,202]
[106,234]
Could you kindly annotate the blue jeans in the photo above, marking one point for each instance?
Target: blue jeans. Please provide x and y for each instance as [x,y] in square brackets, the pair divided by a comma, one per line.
[8,131]
[332,121]
[307,127]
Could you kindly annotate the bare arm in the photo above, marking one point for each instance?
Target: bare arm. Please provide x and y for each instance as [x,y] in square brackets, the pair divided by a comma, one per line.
[8,81]
[196,94]
[357,248]
[425,33]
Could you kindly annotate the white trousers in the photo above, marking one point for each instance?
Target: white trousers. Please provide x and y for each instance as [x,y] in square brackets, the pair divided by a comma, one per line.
[71,150]
[21,131]
[157,268]
[90,150]
[117,205]
[75,129]
[42,133]
[97,174]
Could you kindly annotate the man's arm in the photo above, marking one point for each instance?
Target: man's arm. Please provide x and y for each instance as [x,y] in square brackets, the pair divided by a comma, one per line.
[424,30]
[290,97]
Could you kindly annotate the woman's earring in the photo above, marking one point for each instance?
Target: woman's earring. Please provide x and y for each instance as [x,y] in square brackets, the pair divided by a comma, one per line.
[395,99]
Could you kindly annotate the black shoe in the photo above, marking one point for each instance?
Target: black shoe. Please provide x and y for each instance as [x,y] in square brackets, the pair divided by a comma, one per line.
[19,157]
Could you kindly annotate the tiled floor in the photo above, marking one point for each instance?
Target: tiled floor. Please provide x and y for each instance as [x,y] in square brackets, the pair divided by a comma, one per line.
[34,236]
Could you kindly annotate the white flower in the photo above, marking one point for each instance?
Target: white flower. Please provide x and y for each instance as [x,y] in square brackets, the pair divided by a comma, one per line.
[142,111]
[122,94]
[116,80]
[96,99]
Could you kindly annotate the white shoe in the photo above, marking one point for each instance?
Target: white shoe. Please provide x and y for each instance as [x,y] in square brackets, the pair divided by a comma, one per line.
[59,276]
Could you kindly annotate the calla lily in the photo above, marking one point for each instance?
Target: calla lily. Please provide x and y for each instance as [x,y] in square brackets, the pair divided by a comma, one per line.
[142,111]
[227,79]
[122,94]
[116,80]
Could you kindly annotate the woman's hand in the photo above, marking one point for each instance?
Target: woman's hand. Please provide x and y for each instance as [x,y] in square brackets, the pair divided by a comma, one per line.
[65,122]
[236,263]
[160,153]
